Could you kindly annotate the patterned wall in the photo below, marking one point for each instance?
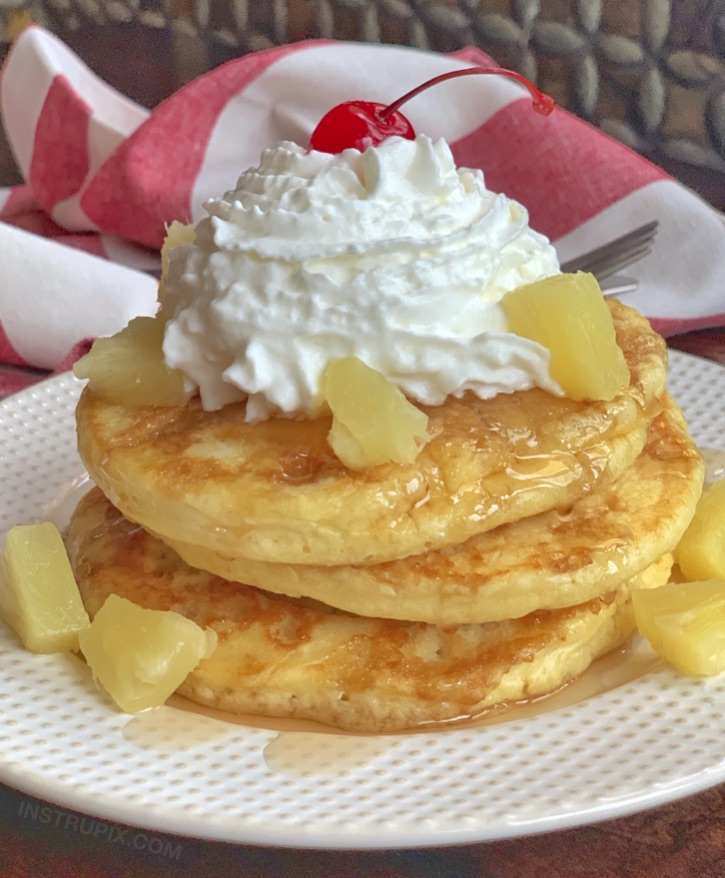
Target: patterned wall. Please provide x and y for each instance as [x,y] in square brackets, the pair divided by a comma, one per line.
[649,72]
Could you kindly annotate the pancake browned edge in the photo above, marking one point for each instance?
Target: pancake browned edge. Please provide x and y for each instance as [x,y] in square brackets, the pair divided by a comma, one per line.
[275,492]
[555,559]
[280,657]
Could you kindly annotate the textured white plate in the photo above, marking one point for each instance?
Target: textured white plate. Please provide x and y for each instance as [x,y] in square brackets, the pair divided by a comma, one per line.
[648,740]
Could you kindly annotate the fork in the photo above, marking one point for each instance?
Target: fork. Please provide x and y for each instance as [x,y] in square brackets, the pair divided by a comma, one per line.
[604,261]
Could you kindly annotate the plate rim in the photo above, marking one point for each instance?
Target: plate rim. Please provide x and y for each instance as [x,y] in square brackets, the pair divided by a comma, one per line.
[174,821]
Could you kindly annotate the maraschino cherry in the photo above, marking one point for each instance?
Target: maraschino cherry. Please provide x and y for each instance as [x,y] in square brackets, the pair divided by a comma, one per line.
[361,124]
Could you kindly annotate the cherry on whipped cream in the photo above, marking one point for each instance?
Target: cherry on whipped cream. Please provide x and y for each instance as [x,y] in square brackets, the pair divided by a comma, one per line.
[361,124]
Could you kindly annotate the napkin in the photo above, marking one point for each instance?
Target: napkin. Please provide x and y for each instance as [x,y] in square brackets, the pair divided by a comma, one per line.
[105,176]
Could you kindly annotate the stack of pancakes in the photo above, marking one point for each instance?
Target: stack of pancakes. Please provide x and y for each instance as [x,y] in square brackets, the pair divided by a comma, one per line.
[495,568]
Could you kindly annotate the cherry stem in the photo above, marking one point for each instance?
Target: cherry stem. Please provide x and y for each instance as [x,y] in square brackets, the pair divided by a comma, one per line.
[542,103]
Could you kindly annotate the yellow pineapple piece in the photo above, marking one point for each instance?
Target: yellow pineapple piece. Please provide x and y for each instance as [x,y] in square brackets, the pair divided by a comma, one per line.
[39,597]
[568,315]
[701,551]
[373,422]
[176,234]
[129,369]
[685,623]
[346,447]
[142,656]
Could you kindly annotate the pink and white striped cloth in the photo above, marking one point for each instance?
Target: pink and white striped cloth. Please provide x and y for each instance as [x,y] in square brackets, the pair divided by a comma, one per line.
[104,176]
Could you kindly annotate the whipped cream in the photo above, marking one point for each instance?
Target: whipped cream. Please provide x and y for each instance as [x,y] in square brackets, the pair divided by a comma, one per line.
[392,255]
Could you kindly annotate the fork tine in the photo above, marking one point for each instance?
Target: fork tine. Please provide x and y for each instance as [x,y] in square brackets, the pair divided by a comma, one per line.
[611,251]
[633,239]
[619,285]
[603,268]
[646,231]
[623,244]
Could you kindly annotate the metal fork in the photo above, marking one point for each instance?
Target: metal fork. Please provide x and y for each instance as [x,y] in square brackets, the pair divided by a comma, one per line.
[604,261]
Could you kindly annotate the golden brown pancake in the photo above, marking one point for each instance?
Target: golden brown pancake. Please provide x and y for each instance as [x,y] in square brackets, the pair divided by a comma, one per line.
[275,492]
[555,559]
[281,657]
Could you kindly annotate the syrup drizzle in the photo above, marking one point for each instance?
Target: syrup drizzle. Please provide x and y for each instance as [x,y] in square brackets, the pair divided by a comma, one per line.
[303,748]
[714,464]
[61,507]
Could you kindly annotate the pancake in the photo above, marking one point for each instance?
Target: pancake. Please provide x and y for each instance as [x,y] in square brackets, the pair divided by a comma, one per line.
[555,559]
[275,492]
[281,657]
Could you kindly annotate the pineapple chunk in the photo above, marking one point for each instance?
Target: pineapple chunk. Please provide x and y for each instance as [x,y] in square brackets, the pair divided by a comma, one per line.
[39,597]
[373,422]
[176,234]
[346,447]
[701,551]
[568,315]
[685,623]
[129,369]
[141,656]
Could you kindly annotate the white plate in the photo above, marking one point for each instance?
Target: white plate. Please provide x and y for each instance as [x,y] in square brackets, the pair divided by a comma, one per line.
[652,738]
